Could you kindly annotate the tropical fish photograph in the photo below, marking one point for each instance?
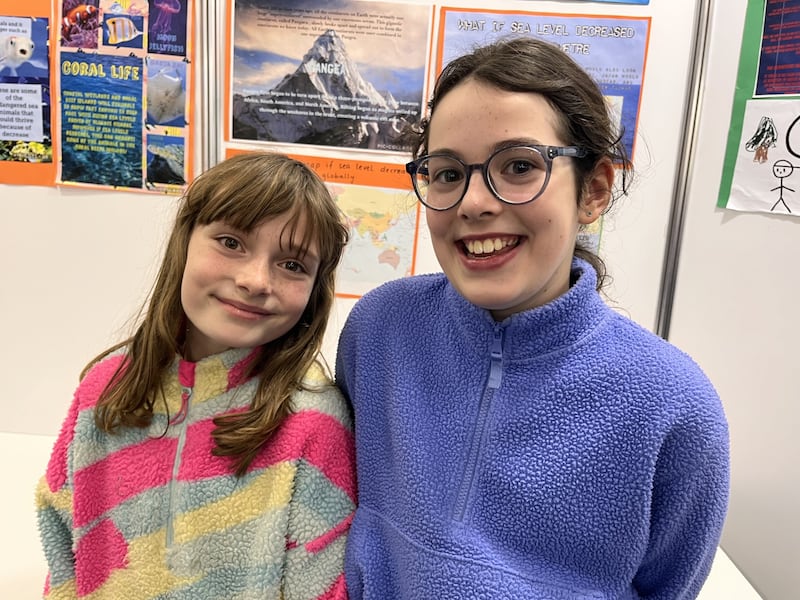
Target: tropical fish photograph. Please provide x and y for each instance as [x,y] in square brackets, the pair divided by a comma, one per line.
[123,31]
[79,24]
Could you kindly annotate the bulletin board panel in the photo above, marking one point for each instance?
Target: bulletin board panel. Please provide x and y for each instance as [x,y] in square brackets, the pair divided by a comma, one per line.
[81,261]
[634,234]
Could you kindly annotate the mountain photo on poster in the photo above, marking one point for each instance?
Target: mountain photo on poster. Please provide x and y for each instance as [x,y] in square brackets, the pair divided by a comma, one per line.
[325,96]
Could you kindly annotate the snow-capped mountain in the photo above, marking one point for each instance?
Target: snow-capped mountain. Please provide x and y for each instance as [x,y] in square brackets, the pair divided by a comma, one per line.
[326,69]
[325,101]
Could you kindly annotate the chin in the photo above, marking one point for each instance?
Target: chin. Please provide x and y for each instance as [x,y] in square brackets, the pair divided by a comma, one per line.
[486,300]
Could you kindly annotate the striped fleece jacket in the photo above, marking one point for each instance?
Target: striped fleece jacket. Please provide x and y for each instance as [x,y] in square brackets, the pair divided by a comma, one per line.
[146,514]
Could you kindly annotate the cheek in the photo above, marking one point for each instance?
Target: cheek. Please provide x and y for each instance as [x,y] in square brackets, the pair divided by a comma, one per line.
[438,222]
[296,293]
[197,275]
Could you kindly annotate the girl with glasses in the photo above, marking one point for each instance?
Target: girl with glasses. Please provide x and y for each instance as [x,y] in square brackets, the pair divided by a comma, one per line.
[515,436]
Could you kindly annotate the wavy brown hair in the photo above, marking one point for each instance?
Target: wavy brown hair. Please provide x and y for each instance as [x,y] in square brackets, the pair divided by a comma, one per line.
[531,65]
[243,191]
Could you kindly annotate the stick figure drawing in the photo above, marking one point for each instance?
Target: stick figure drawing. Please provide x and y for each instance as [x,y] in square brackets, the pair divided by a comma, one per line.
[782,169]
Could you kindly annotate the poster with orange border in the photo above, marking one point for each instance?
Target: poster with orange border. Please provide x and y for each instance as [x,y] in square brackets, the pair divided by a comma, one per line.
[333,84]
[125,94]
[27,143]
[382,214]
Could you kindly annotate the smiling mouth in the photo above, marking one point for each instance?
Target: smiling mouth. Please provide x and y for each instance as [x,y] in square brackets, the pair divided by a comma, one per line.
[245,308]
[489,246]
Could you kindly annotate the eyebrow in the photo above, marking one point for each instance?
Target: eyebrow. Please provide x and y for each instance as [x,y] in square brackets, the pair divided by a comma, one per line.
[498,146]
[301,250]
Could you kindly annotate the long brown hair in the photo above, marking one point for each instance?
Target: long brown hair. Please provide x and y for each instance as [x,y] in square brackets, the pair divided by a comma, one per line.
[531,65]
[242,191]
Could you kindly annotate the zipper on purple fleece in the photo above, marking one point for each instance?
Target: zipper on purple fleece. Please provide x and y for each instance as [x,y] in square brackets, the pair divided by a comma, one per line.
[479,434]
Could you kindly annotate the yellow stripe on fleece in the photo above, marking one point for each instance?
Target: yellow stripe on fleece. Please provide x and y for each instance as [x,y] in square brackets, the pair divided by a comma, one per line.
[146,574]
[270,490]
[60,500]
[65,591]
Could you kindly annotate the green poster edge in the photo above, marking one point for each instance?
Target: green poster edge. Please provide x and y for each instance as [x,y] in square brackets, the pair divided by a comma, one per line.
[745,86]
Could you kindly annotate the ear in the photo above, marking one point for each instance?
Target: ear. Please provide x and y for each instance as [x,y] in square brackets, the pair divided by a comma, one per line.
[596,194]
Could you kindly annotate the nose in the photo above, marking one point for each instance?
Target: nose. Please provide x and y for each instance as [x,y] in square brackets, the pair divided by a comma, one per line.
[254,278]
[478,200]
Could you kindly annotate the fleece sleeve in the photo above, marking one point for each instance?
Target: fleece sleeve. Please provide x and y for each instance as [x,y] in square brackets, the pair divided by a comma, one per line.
[690,496]
[54,515]
[321,509]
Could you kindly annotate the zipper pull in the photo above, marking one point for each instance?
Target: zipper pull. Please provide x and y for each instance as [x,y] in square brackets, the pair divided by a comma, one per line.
[186,394]
[496,365]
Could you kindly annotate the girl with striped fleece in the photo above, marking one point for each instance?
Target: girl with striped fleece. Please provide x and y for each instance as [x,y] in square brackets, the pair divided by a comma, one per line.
[208,456]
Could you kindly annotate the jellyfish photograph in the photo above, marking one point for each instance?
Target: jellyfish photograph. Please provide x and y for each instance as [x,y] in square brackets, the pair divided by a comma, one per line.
[164,10]
[167,27]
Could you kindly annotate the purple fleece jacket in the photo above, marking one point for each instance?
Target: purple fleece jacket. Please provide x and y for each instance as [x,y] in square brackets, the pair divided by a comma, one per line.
[563,453]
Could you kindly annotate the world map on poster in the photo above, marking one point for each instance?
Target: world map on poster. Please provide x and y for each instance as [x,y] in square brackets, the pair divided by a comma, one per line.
[383,226]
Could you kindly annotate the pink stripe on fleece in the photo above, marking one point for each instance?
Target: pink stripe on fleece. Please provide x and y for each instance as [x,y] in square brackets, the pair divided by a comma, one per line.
[85,398]
[122,475]
[331,448]
[328,446]
[99,552]
[186,373]
[97,379]
[56,474]
[338,591]
[329,536]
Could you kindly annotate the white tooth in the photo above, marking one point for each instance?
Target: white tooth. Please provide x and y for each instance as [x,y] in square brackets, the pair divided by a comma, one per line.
[478,247]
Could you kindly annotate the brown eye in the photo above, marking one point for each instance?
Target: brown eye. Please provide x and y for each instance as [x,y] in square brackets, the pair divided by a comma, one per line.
[294,266]
[230,243]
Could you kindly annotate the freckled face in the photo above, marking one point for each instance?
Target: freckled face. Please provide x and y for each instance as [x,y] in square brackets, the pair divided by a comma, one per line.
[242,290]
[501,257]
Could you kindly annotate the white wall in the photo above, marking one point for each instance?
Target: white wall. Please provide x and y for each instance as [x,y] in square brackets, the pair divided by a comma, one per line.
[76,264]
[735,312]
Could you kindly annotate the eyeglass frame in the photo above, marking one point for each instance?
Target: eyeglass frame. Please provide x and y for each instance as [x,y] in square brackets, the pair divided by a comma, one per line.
[548,153]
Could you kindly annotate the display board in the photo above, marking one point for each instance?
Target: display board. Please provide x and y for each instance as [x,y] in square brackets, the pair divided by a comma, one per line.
[88,266]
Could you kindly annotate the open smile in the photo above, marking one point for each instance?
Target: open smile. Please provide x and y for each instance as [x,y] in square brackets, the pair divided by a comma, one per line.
[489,246]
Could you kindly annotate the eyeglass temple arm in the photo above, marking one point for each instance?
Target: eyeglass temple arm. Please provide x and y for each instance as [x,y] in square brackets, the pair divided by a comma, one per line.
[572,151]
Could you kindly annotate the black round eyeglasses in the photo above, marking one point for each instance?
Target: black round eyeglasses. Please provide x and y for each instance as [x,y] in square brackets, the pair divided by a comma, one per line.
[514,174]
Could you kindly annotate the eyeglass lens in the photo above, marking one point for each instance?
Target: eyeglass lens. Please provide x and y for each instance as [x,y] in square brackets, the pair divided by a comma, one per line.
[516,175]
